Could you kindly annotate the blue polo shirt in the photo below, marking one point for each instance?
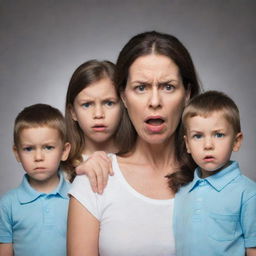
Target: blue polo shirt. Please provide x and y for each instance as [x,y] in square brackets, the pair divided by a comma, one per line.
[35,222]
[216,216]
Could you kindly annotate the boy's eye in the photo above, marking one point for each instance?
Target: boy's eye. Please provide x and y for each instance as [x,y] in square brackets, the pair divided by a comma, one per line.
[140,88]
[219,135]
[28,149]
[47,147]
[86,104]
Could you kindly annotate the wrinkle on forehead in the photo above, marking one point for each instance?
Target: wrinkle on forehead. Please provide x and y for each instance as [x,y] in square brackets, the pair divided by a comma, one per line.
[154,69]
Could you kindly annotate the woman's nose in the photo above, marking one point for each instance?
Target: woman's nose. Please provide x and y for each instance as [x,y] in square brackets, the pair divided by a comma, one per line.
[155,98]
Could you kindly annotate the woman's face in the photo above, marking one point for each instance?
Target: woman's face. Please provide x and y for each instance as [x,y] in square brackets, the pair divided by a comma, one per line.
[154,97]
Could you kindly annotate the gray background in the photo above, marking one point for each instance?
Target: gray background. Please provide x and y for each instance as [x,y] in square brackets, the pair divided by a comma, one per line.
[43,41]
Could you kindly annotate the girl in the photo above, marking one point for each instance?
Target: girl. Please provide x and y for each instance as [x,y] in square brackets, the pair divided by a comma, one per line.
[92,113]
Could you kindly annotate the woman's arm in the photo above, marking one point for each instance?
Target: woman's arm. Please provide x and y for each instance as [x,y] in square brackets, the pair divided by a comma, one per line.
[6,249]
[251,252]
[83,231]
[97,168]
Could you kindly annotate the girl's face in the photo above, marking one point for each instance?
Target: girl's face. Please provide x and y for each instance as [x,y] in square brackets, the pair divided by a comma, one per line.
[97,110]
[154,97]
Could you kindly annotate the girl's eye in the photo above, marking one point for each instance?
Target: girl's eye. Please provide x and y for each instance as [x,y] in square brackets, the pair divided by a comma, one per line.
[109,103]
[197,136]
[140,88]
[219,135]
[86,104]
[28,149]
[48,147]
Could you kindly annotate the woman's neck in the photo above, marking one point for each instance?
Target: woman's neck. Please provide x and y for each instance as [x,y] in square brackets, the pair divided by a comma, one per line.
[159,156]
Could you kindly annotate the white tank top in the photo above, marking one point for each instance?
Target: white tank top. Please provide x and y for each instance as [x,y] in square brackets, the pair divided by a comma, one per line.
[131,224]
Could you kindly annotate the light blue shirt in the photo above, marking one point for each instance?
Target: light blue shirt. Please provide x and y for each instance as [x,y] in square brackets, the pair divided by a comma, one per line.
[35,222]
[216,216]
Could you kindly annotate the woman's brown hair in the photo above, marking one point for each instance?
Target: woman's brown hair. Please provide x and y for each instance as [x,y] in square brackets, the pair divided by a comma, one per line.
[153,42]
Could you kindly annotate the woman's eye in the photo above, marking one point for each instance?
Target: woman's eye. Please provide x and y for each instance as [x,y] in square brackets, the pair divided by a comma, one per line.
[140,88]
[168,87]
[86,104]
[219,135]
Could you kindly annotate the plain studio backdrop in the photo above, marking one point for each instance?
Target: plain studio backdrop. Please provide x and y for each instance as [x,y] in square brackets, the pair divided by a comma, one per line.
[43,41]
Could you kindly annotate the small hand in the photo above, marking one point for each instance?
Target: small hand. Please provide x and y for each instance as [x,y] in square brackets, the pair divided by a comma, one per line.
[97,167]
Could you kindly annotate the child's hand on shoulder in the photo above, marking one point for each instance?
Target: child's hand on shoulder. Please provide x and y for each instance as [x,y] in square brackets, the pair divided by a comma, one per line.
[97,167]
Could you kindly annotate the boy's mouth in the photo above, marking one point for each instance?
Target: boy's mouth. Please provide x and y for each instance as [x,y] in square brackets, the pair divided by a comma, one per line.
[208,158]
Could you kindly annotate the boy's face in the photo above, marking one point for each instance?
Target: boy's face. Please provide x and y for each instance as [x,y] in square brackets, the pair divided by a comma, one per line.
[40,152]
[211,140]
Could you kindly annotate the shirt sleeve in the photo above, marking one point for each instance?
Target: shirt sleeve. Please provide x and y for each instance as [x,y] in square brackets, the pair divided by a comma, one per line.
[82,191]
[5,222]
[248,220]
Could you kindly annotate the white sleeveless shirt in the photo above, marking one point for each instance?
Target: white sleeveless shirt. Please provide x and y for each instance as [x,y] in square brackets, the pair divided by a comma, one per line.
[131,224]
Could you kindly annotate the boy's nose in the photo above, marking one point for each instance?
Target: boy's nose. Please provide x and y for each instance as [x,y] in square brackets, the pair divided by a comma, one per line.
[208,143]
[39,156]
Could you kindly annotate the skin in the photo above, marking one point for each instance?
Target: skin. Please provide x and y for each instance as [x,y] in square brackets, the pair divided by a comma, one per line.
[6,250]
[210,140]
[40,152]
[97,110]
[154,89]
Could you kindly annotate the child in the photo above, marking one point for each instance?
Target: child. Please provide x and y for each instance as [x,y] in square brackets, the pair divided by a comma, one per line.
[216,213]
[93,112]
[33,216]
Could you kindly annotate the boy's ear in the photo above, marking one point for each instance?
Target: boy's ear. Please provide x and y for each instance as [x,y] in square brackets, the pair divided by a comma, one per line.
[123,99]
[66,150]
[187,145]
[237,141]
[16,154]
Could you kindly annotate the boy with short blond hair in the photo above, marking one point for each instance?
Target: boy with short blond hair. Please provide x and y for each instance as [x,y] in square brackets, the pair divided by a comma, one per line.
[215,214]
[33,216]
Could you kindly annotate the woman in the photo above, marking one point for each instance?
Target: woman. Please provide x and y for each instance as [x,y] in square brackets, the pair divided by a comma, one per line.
[155,77]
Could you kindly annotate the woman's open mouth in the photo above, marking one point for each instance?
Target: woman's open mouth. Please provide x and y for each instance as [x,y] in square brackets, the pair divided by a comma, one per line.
[154,124]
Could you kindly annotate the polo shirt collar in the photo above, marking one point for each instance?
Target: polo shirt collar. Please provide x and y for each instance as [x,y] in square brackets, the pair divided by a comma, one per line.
[27,194]
[219,180]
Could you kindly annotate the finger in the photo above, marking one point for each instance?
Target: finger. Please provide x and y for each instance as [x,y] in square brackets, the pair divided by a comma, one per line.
[79,170]
[111,172]
[93,181]
[106,170]
[99,181]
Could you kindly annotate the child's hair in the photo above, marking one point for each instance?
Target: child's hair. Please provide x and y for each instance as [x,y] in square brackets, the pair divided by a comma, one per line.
[87,73]
[39,115]
[213,101]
